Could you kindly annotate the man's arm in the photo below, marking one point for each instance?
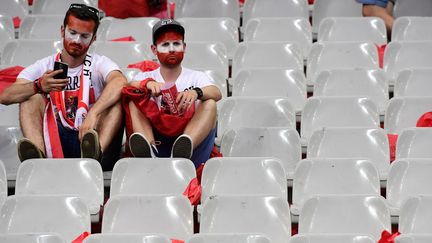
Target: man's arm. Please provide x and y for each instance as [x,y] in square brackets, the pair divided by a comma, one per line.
[211,92]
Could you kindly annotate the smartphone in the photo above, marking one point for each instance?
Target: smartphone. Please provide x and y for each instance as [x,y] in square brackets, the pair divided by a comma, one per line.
[63,66]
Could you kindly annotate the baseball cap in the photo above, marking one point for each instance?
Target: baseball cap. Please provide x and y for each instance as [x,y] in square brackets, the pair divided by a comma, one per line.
[165,25]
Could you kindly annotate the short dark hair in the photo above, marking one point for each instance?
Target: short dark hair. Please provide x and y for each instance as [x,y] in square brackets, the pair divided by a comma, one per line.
[83,12]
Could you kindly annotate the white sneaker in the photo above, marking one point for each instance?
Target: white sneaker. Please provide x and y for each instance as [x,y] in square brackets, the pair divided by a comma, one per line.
[140,146]
[182,147]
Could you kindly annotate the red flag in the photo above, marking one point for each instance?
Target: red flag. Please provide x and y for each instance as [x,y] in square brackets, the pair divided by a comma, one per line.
[81,237]
[381,50]
[193,191]
[126,38]
[392,142]
[387,237]
[144,66]
[425,120]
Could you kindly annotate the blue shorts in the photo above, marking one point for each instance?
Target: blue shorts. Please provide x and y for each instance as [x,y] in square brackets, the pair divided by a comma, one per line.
[200,154]
[381,3]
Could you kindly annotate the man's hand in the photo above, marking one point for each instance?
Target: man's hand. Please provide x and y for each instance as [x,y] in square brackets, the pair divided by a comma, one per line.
[186,99]
[48,83]
[90,122]
[155,87]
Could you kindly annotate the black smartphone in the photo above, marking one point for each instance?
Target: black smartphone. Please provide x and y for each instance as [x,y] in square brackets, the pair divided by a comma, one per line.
[63,66]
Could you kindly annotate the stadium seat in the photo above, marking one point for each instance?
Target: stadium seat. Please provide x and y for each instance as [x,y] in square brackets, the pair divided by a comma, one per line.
[414,238]
[274,8]
[162,176]
[41,27]
[272,82]
[404,112]
[24,52]
[352,142]
[139,28]
[333,8]
[67,216]
[126,238]
[416,216]
[230,176]
[369,83]
[57,7]
[206,56]
[413,82]
[220,80]
[296,30]
[223,30]
[247,214]
[360,29]
[10,115]
[412,8]
[9,137]
[412,29]
[414,143]
[3,184]
[408,178]
[331,238]
[14,8]
[130,73]
[319,176]
[208,9]
[7,32]
[405,55]
[341,55]
[349,214]
[322,112]
[81,177]
[136,52]
[279,142]
[267,55]
[237,112]
[31,238]
[170,215]
[228,238]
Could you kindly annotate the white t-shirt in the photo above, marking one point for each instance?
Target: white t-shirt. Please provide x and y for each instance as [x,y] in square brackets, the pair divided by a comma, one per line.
[187,80]
[100,68]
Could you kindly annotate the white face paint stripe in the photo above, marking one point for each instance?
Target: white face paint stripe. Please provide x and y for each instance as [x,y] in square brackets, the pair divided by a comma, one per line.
[78,37]
[168,46]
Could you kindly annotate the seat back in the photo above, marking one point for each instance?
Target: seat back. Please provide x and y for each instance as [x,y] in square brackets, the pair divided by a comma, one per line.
[56,7]
[228,238]
[413,82]
[414,143]
[414,238]
[208,9]
[415,215]
[41,27]
[18,8]
[126,238]
[32,238]
[412,29]
[7,31]
[412,8]
[136,52]
[27,52]
[331,238]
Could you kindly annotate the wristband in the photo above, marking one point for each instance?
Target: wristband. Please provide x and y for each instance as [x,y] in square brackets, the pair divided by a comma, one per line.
[199,92]
[37,87]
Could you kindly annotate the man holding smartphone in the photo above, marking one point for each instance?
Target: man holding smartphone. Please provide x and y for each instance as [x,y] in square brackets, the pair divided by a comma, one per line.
[77,114]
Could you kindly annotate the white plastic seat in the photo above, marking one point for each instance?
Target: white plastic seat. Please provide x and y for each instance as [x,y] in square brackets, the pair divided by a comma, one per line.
[331,238]
[130,73]
[15,8]
[297,30]
[352,142]
[81,177]
[414,143]
[414,238]
[243,176]
[279,142]
[267,55]
[247,214]
[322,112]
[341,55]
[404,112]
[334,8]
[208,9]
[272,82]
[319,176]
[126,238]
[220,80]
[369,83]
[162,176]
[136,52]
[31,238]
[237,112]
[408,178]
[413,82]
[170,215]
[3,184]
[7,32]
[57,7]
[67,216]
[416,216]
[206,56]
[412,8]
[223,30]
[274,8]
[406,55]
[228,238]
[360,29]
[10,115]
[27,52]
[359,214]
[41,27]
[139,28]
[9,137]
[412,29]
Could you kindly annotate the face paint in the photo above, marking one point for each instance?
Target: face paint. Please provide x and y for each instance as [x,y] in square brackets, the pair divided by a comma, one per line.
[170,46]
[81,38]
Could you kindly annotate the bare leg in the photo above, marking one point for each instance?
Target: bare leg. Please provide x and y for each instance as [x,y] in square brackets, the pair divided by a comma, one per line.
[109,125]
[31,120]
[140,123]
[203,121]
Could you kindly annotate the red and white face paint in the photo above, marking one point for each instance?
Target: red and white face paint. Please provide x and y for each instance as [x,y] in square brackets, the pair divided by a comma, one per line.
[170,48]
[79,38]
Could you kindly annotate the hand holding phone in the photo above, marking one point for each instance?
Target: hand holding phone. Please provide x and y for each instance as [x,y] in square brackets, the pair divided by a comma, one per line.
[61,66]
